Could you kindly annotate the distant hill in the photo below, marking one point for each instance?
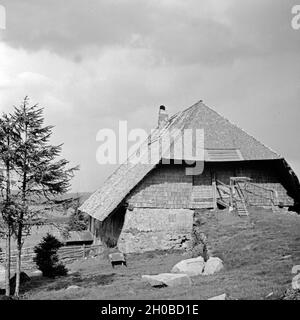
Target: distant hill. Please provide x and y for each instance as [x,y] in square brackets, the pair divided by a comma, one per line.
[82,195]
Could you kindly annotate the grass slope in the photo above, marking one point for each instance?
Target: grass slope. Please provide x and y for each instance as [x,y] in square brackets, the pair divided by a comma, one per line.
[258,254]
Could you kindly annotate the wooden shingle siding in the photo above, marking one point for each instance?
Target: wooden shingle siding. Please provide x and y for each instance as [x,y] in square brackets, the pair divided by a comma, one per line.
[202,191]
[168,186]
[165,187]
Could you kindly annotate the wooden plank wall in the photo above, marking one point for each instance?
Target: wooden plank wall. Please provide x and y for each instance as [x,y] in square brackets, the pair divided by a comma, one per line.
[67,254]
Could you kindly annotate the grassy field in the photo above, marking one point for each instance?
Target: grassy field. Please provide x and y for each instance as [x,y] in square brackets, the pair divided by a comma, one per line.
[258,254]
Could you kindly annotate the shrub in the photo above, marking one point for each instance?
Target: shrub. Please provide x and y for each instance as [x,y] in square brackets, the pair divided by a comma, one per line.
[77,222]
[47,259]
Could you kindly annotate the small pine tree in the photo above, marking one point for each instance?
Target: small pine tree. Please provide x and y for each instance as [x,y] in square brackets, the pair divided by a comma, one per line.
[47,259]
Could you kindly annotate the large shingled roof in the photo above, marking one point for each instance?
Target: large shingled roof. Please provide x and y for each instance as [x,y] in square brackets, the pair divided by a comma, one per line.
[219,133]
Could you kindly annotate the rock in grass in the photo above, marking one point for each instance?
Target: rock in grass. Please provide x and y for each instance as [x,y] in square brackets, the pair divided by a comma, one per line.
[212,265]
[296,282]
[191,267]
[296,269]
[220,297]
[73,287]
[168,279]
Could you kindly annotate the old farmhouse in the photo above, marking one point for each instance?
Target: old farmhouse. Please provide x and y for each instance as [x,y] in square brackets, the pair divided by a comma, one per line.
[151,206]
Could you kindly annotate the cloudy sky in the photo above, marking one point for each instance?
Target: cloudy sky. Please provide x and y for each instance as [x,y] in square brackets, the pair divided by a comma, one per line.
[93,63]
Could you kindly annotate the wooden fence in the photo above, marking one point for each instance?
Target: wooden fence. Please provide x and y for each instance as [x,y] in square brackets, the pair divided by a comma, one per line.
[67,254]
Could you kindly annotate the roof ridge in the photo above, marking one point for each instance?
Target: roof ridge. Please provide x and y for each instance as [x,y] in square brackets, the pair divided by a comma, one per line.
[234,124]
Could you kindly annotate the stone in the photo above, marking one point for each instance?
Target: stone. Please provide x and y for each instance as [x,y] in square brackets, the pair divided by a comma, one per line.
[296,269]
[296,282]
[191,267]
[73,287]
[220,297]
[212,265]
[168,279]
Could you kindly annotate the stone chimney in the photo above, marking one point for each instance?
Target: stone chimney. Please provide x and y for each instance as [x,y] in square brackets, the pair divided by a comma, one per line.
[162,116]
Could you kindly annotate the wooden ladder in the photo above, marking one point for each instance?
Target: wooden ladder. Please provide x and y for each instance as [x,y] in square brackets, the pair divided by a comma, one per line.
[240,202]
[226,198]
[241,208]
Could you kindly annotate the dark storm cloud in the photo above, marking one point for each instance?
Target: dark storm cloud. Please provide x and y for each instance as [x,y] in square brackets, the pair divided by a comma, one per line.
[92,63]
[65,26]
[182,34]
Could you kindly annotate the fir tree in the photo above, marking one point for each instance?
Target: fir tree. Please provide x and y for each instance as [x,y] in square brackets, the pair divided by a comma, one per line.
[41,171]
[8,207]
[47,259]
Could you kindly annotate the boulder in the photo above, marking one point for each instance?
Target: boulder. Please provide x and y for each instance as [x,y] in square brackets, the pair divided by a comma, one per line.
[296,282]
[212,265]
[220,297]
[168,279]
[73,287]
[191,267]
[296,269]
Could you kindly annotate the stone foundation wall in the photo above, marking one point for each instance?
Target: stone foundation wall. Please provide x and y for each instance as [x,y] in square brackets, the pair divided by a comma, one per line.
[156,229]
